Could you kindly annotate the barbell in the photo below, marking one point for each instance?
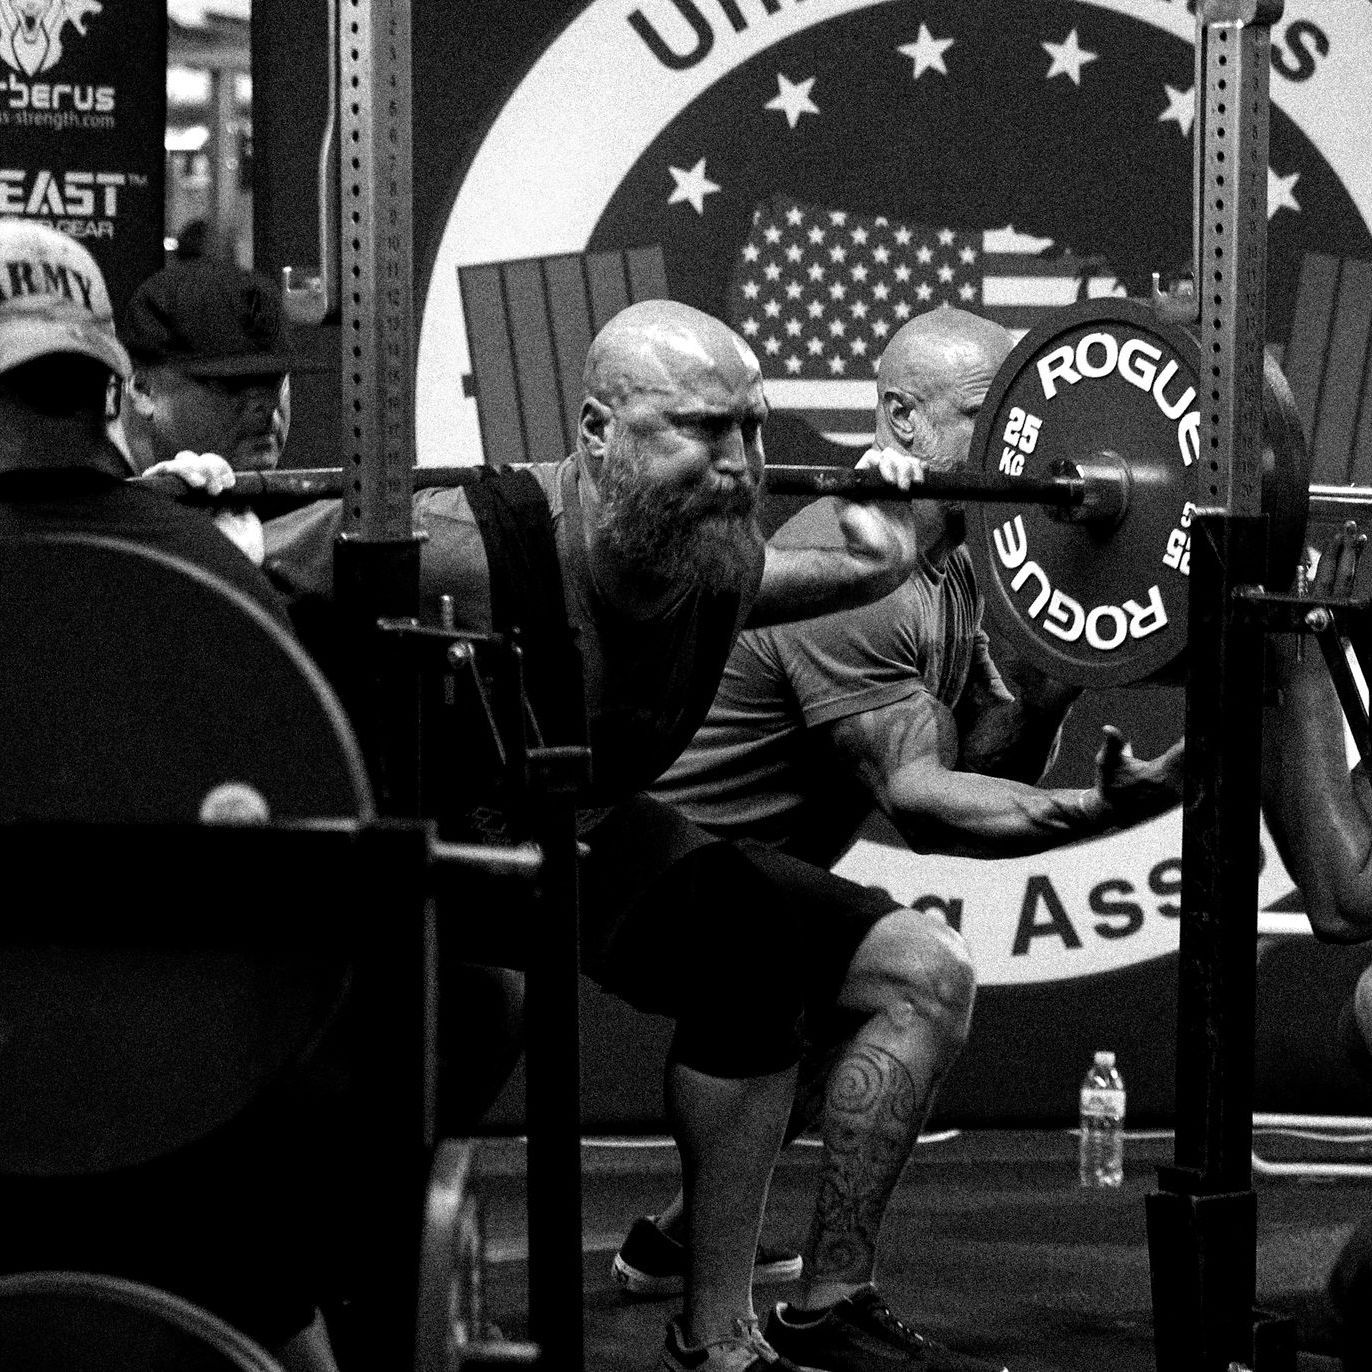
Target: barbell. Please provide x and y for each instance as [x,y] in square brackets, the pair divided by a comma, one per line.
[321,483]
[1081,482]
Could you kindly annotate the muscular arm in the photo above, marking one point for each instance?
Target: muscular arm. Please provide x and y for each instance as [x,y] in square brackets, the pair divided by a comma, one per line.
[800,583]
[905,754]
[864,554]
[1320,815]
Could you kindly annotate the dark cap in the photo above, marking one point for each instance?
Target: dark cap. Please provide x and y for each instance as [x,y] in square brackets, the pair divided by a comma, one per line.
[208,317]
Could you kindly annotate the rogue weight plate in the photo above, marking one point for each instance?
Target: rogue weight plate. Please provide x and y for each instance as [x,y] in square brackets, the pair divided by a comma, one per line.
[1106,383]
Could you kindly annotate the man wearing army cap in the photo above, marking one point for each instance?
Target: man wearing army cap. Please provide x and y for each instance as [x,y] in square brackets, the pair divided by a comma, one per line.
[61,371]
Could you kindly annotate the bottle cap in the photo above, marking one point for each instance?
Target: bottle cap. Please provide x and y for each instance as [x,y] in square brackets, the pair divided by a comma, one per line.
[1105,1059]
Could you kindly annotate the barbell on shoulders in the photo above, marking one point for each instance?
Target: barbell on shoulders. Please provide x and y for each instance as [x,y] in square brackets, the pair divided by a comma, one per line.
[1070,490]
[1081,486]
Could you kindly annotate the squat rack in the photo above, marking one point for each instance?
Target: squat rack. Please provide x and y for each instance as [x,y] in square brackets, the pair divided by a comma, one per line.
[1202,1219]
[366,229]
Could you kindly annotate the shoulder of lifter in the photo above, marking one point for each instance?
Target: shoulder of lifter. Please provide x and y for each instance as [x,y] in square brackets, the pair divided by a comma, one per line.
[451,503]
[814,526]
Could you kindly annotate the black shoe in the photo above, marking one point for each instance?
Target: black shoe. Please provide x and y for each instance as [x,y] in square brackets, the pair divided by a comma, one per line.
[860,1334]
[745,1350]
[649,1263]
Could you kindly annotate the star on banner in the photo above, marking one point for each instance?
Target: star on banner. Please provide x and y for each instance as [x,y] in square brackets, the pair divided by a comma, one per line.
[692,186]
[1279,192]
[1069,57]
[793,99]
[1181,109]
[926,52]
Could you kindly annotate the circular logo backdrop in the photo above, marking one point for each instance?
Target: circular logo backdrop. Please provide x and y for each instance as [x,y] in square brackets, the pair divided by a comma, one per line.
[817,173]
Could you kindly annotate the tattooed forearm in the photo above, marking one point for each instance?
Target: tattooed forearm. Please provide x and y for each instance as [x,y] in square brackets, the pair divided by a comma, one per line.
[870,1124]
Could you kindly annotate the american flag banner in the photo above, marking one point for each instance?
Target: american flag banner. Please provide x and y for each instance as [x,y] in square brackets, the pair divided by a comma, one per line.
[1074,123]
[818,292]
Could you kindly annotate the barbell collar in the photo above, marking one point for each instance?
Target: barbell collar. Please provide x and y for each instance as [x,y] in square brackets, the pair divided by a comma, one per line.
[1106,483]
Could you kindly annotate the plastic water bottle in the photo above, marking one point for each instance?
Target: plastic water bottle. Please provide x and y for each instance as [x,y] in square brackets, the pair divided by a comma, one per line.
[1102,1124]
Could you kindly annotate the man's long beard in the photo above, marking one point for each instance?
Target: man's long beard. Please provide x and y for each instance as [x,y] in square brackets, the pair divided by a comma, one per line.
[707,539]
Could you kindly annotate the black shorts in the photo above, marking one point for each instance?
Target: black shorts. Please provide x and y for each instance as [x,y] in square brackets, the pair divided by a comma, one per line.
[673,917]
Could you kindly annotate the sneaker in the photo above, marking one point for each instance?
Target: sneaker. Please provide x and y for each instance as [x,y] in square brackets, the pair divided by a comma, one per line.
[745,1350]
[860,1334]
[649,1263]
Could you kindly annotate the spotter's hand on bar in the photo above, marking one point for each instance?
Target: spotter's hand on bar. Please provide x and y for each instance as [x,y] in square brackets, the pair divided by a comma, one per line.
[901,469]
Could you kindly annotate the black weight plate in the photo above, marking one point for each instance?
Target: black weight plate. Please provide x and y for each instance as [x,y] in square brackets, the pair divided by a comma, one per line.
[1100,604]
[134,687]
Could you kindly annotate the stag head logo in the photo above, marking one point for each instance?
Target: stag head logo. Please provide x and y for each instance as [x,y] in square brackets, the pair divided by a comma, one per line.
[31,31]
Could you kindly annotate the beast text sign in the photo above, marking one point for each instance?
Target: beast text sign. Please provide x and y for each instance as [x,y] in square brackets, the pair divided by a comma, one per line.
[83,112]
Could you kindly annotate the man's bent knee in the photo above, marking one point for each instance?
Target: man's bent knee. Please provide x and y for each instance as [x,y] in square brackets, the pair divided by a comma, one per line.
[914,967]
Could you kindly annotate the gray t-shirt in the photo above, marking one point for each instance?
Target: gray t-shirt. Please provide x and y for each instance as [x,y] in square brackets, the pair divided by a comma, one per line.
[761,766]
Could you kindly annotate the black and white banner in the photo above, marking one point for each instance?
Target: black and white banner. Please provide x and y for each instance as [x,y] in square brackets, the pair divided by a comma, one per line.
[817,171]
[83,112]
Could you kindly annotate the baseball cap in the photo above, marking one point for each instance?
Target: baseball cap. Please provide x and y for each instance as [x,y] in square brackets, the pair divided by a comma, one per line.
[53,299]
[209,317]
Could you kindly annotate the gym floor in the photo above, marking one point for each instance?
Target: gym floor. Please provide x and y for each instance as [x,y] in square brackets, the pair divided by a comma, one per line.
[989,1244]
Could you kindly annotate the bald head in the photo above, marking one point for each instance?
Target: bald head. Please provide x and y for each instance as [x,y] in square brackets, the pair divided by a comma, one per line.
[657,346]
[932,379]
[944,346]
